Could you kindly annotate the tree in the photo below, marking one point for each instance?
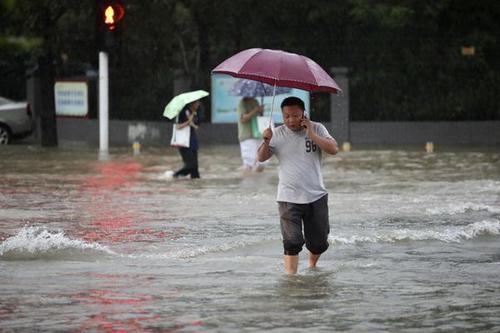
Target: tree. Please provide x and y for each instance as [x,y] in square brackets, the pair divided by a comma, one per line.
[404,56]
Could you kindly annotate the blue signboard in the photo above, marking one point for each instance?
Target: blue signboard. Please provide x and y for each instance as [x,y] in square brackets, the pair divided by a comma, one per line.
[224,101]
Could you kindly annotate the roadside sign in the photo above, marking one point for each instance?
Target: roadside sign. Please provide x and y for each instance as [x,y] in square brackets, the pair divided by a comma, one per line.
[71,98]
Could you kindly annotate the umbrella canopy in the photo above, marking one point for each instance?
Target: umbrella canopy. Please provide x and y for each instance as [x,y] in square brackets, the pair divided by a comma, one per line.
[178,102]
[250,88]
[278,68]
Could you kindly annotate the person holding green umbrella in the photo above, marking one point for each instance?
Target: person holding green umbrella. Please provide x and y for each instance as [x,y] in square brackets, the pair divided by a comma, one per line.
[184,108]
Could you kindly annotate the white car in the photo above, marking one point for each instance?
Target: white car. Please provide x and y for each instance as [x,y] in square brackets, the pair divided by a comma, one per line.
[15,120]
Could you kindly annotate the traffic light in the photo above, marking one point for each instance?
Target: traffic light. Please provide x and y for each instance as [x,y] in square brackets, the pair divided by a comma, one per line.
[112,13]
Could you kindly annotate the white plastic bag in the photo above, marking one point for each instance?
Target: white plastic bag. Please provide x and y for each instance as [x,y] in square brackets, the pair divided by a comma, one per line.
[180,137]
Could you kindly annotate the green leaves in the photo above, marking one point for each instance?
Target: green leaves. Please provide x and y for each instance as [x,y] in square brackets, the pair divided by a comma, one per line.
[20,44]
[381,14]
[404,57]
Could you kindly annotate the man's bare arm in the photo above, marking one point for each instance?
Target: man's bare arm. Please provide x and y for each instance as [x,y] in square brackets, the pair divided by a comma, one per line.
[264,153]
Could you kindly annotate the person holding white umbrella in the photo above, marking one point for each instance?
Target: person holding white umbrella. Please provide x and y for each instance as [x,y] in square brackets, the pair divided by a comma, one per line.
[248,109]
[248,112]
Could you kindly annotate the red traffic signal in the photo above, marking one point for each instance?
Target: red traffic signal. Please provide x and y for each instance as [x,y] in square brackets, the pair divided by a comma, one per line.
[112,13]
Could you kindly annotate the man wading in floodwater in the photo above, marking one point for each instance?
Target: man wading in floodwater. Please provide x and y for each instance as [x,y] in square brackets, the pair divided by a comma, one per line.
[302,197]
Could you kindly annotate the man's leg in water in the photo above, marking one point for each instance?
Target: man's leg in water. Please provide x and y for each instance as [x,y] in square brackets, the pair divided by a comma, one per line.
[316,229]
[291,264]
[291,230]
[313,259]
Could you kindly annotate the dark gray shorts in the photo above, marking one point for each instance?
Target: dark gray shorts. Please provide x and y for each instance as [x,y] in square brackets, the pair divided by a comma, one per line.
[314,217]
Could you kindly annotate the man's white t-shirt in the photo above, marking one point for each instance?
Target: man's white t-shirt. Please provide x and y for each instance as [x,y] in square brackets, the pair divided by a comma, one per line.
[300,178]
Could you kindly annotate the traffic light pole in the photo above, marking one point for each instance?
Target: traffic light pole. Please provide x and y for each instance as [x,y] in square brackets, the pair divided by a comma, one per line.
[103,105]
[109,14]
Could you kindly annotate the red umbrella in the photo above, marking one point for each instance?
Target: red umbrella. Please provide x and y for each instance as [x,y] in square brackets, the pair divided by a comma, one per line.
[278,68]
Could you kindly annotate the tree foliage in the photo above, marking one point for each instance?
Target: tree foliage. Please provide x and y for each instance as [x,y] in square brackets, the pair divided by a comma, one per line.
[404,57]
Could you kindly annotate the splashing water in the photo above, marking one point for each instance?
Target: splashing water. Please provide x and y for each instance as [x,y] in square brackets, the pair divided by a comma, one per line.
[454,234]
[36,242]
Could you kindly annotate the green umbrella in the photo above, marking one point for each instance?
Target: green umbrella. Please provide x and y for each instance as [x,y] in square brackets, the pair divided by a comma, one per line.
[178,102]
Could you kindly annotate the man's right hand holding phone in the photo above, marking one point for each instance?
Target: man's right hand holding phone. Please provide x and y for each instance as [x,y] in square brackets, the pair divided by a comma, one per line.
[306,124]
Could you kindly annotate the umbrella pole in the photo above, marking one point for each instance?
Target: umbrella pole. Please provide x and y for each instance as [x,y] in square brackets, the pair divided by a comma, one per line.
[272,105]
[265,93]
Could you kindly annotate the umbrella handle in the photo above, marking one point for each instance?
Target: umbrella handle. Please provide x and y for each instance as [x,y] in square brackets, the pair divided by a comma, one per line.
[272,106]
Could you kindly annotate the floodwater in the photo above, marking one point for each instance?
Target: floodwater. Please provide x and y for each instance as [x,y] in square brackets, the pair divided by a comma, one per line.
[108,246]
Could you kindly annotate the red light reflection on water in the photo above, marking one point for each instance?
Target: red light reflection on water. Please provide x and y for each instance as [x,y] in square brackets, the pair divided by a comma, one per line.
[113,305]
[116,311]
[110,192]
[114,174]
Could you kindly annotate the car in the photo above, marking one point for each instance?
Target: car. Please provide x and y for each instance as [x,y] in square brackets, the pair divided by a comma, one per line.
[16,120]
